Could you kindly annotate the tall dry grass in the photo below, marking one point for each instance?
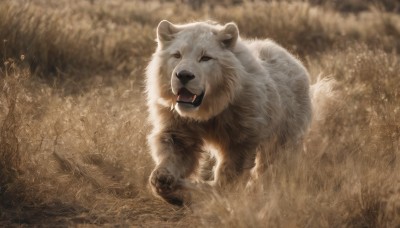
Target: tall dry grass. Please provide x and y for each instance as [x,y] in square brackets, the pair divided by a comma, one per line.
[347,174]
[73,120]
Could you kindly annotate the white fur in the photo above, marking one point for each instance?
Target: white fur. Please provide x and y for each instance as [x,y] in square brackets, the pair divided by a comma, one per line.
[256,101]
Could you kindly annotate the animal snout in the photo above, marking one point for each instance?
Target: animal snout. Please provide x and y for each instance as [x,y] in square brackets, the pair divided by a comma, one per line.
[185,76]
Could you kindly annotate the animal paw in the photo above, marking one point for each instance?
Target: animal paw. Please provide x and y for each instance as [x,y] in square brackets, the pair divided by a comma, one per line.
[163,182]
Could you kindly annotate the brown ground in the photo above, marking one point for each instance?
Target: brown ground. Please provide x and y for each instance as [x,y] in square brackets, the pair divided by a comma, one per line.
[73,121]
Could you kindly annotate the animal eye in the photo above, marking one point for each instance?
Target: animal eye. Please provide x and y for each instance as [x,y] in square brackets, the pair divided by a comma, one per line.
[177,55]
[205,58]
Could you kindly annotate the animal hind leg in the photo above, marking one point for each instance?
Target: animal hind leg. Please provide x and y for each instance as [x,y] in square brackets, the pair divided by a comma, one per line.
[266,154]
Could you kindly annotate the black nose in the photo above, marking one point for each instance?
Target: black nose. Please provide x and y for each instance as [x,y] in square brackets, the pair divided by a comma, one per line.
[184,76]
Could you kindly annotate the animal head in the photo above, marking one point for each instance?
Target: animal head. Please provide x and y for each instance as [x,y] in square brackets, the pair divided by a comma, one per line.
[198,71]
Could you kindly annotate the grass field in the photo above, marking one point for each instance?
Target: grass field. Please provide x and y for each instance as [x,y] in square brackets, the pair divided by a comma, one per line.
[73,118]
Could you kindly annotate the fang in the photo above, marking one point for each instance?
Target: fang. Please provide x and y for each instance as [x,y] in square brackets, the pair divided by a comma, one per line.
[194,98]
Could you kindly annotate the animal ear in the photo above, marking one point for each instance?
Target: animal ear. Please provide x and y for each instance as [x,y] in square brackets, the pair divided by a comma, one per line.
[166,31]
[229,35]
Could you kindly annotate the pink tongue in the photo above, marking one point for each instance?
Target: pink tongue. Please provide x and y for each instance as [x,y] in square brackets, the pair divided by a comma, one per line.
[185,96]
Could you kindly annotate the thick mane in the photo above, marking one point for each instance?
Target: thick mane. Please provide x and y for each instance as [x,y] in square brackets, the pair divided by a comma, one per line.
[207,86]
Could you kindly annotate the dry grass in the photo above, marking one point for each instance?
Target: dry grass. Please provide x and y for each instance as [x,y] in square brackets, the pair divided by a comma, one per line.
[73,121]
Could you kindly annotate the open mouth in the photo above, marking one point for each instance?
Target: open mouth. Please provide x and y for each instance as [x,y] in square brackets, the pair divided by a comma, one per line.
[187,97]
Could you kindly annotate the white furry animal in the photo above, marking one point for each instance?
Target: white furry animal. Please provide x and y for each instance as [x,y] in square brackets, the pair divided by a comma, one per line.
[207,86]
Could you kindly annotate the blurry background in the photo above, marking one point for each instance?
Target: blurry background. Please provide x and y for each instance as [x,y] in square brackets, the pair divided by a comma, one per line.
[73,118]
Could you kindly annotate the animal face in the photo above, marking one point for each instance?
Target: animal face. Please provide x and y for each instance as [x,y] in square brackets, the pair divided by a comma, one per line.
[199,66]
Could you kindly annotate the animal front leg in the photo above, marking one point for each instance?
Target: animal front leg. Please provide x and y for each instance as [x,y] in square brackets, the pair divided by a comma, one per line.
[176,155]
[233,163]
